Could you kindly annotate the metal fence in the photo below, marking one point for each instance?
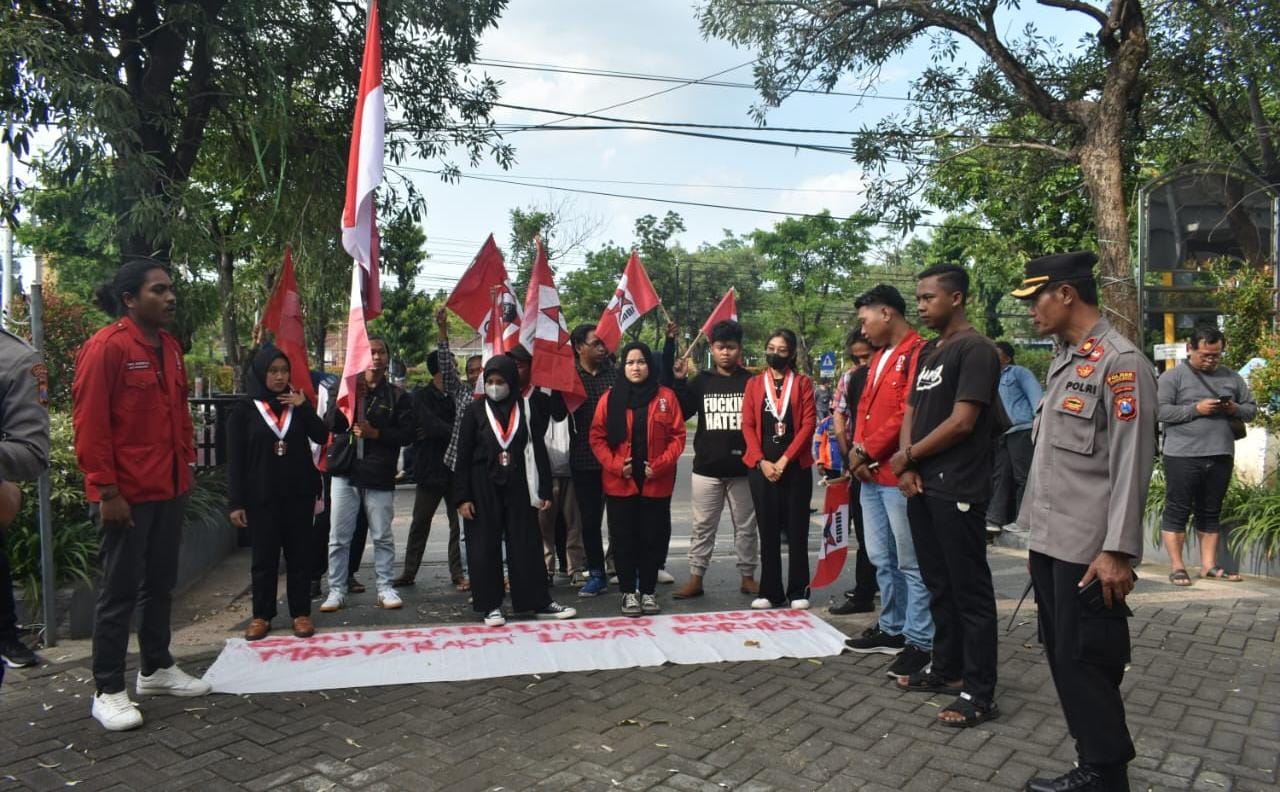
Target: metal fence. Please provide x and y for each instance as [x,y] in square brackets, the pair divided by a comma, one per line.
[209,414]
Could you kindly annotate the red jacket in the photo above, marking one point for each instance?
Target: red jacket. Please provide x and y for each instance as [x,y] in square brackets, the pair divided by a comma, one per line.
[132,424]
[883,403]
[666,443]
[802,405]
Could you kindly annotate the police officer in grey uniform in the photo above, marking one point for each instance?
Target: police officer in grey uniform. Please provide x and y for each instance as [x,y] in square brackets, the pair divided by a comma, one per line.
[24,454]
[1094,451]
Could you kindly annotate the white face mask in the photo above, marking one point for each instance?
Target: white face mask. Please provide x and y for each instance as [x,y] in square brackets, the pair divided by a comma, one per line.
[496,391]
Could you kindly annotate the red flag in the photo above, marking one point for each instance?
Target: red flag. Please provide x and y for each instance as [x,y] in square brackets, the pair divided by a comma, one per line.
[633,298]
[359,227]
[472,298]
[835,536]
[727,308]
[283,317]
[545,333]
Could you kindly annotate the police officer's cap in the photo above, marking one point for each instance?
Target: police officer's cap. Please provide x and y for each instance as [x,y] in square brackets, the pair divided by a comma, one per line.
[1060,267]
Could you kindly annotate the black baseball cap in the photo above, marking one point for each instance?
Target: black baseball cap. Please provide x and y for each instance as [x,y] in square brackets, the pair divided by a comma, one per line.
[1060,267]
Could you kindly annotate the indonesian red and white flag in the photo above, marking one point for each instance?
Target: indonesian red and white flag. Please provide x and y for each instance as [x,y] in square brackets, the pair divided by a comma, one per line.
[727,308]
[545,333]
[835,536]
[633,298]
[359,226]
[283,317]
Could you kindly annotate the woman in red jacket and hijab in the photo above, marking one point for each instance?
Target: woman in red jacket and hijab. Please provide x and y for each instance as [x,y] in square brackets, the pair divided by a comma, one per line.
[638,434]
[778,419]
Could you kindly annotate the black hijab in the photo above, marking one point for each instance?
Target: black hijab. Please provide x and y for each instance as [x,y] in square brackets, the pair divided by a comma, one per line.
[255,386]
[627,395]
[504,367]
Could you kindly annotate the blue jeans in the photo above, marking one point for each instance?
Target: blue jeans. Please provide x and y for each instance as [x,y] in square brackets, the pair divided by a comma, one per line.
[379,507]
[904,600]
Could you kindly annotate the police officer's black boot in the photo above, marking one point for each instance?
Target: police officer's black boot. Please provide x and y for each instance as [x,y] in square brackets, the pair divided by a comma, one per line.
[1085,778]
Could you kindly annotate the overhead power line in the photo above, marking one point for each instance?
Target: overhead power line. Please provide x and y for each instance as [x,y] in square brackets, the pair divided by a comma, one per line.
[710,83]
[678,202]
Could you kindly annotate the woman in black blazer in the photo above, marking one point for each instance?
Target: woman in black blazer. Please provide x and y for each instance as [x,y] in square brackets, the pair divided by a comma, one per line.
[273,487]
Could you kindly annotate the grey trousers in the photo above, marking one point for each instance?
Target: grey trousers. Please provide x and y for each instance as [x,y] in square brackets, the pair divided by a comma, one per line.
[139,569]
[562,500]
[708,500]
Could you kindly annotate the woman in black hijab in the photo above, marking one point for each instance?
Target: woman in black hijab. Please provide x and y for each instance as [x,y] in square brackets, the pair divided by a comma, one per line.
[273,487]
[502,479]
[638,435]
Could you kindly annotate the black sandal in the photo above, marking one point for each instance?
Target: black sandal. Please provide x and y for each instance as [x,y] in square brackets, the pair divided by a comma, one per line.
[925,682]
[972,711]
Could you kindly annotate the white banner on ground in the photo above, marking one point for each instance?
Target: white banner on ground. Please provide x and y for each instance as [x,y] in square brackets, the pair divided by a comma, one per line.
[451,653]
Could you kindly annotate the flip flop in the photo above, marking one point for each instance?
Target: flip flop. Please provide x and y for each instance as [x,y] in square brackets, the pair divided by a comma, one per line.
[1180,578]
[1218,573]
[463,585]
[925,682]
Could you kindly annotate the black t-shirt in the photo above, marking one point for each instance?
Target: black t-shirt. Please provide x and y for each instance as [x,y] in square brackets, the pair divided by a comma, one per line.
[965,368]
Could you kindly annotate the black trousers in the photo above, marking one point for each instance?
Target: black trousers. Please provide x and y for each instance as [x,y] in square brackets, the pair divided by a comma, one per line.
[589,491]
[500,522]
[426,499]
[1009,476]
[639,529]
[783,507]
[865,585]
[8,608]
[139,569]
[1195,486]
[1087,653]
[282,524]
[951,548]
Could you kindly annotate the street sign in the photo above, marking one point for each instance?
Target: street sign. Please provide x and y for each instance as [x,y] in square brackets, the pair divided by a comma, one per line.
[1170,351]
[827,364]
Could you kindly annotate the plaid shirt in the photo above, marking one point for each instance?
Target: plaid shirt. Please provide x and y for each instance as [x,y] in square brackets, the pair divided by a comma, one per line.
[581,457]
[462,394]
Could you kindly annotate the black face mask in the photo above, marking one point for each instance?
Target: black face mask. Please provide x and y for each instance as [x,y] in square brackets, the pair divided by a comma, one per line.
[777,362]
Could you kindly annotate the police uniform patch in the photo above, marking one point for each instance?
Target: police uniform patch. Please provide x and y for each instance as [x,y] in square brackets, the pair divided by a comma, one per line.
[1087,346]
[1097,352]
[1126,407]
[1122,379]
[1084,371]
[41,374]
[1073,404]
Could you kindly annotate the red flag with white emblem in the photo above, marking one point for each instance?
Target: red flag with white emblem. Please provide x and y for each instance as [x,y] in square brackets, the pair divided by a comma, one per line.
[727,308]
[835,536]
[359,226]
[472,298]
[633,298]
[545,333]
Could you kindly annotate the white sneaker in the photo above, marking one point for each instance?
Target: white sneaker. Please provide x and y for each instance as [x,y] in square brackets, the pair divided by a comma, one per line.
[172,681]
[665,577]
[333,602]
[495,618]
[388,600]
[116,712]
[613,580]
[631,605]
[799,604]
[761,603]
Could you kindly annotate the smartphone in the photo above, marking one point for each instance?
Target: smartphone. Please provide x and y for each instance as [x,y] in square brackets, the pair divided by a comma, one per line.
[1224,400]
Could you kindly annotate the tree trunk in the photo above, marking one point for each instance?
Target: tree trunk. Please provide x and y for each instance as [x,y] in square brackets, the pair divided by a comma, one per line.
[226,289]
[1103,178]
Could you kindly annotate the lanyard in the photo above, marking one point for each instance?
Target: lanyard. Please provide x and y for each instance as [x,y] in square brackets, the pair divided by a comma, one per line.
[513,421]
[278,426]
[770,403]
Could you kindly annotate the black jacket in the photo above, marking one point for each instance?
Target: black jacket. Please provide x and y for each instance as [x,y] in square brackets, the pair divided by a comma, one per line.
[389,410]
[433,411]
[254,473]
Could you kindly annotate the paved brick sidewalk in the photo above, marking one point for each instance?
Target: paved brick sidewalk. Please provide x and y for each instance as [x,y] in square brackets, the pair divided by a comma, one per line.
[1203,699]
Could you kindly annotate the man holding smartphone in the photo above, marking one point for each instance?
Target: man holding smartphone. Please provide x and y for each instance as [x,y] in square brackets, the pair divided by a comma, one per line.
[1198,401]
[1086,493]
